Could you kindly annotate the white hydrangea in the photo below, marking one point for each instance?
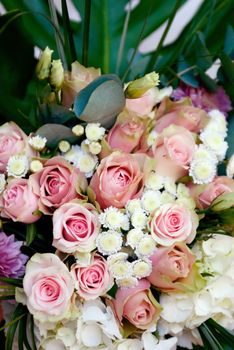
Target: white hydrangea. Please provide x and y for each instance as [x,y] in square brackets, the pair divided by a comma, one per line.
[217,122]
[94,131]
[215,142]
[2,182]
[151,200]
[37,142]
[113,218]
[17,166]
[154,181]
[109,242]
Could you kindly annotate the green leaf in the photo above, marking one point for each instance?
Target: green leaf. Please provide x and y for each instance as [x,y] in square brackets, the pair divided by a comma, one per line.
[230,138]
[188,78]
[31,328]
[229,40]
[20,310]
[222,202]
[101,100]
[22,334]
[68,36]
[207,81]
[203,57]
[54,133]
[31,233]
[12,281]
[53,113]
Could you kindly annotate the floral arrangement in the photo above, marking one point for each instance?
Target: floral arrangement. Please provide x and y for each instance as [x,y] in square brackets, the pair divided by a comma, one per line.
[116,225]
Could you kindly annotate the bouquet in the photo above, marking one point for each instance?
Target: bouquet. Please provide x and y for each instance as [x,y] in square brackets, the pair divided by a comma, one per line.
[116,227]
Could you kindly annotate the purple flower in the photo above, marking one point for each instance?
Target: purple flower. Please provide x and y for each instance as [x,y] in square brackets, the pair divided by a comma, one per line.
[12,261]
[204,99]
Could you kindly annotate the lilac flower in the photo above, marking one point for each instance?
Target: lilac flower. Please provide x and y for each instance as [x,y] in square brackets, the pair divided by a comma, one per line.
[12,261]
[204,99]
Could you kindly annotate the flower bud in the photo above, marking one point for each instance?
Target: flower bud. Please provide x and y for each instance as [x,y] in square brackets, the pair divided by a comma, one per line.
[138,87]
[57,74]
[43,65]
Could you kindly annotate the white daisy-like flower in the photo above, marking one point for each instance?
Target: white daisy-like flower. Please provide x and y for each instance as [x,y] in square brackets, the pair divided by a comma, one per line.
[112,259]
[142,268]
[133,237]
[151,200]
[35,165]
[95,147]
[17,166]
[154,181]
[78,130]
[37,142]
[152,138]
[121,269]
[169,185]
[139,219]
[167,197]
[64,146]
[109,242]
[127,282]
[113,218]
[218,122]
[182,191]
[230,167]
[87,163]
[133,205]
[145,247]
[215,141]
[2,182]
[203,152]
[94,132]
[202,170]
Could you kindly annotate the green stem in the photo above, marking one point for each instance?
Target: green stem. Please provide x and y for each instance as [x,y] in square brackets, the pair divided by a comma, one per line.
[69,42]
[160,44]
[85,50]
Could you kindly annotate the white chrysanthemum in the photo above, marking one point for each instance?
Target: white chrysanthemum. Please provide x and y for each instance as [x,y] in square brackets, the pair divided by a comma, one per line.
[141,268]
[87,163]
[202,152]
[215,141]
[2,182]
[167,197]
[217,123]
[36,165]
[202,171]
[113,218]
[152,138]
[95,147]
[133,205]
[134,236]
[78,130]
[112,259]
[151,200]
[169,185]
[94,132]
[64,146]
[182,191]
[154,181]
[230,167]
[145,247]
[109,242]
[127,282]
[187,202]
[139,219]
[17,166]
[121,269]
[37,142]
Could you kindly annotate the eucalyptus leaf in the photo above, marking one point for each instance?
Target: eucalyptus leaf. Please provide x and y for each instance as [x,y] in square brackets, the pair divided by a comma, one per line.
[54,133]
[53,113]
[101,100]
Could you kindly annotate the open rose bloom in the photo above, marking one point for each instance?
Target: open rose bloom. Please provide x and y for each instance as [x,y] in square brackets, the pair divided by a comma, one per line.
[126,220]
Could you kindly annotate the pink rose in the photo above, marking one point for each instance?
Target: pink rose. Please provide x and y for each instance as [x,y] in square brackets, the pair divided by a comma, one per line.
[171,267]
[75,227]
[12,141]
[94,280]
[144,104]
[173,223]
[204,195]
[118,178]
[136,305]
[57,183]
[76,80]
[127,132]
[48,286]
[173,151]
[181,114]
[18,202]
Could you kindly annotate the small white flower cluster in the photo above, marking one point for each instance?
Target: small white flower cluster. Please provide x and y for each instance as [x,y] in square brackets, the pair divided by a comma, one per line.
[17,166]
[84,161]
[37,142]
[203,167]
[113,218]
[94,134]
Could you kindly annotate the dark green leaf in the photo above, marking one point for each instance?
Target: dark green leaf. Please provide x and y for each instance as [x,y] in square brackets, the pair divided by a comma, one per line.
[54,133]
[22,334]
[68,36]
[12,281]
[203,57]
[101,100]
[207,81]
[52,113]
[31,233]
[31,328]
[20,310]
[188,77]
[229,40]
